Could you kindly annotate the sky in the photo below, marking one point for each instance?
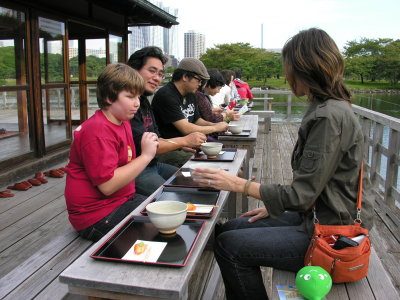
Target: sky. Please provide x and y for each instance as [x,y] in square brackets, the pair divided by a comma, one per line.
[223,21]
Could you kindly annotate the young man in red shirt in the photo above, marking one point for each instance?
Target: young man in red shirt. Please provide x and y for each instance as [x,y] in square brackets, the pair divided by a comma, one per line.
[100,186]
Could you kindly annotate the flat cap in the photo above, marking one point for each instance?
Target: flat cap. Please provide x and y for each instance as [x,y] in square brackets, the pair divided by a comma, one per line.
[194,65]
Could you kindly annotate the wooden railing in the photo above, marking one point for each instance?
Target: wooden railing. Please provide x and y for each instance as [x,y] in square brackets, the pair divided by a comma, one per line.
[278,98]
[381,142]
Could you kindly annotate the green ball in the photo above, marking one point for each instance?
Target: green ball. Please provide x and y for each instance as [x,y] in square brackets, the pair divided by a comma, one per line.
[313,282]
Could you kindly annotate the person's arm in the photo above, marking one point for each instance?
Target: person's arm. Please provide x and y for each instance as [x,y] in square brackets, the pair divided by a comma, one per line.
[194,139]
[125,174]
[186,128]
[205,109]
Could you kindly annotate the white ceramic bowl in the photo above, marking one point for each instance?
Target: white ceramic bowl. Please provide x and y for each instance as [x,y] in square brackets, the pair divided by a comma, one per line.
[203,166]
[235,129]
[211,149]
[167,216]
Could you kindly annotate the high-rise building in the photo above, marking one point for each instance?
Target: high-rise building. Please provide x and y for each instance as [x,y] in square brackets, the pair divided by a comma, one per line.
[166,39]
[195,44]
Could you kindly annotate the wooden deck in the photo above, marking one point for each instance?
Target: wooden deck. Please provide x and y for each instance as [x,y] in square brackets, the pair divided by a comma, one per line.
[37,242]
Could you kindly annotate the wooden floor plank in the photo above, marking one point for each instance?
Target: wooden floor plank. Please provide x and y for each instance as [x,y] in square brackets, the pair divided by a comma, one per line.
[20,229]
[22,197]
[49,272]
[26,208]
[37,245]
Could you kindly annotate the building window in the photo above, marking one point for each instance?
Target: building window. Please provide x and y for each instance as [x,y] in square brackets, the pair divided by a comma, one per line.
[14,104]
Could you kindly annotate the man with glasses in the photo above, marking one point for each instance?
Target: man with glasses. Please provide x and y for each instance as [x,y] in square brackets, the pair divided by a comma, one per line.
[149,62]
[176,111]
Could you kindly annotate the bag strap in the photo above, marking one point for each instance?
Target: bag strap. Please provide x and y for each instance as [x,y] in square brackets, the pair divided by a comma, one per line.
[359,196]
[359,199]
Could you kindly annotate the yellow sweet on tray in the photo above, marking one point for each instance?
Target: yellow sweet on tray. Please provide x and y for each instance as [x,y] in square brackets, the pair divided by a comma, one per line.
[191,206]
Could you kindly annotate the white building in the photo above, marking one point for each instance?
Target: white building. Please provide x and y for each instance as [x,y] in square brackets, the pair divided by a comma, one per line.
[166,39]
[195,44]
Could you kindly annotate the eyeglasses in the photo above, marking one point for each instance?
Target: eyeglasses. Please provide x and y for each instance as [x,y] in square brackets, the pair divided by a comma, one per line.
[197,78]
[154,72]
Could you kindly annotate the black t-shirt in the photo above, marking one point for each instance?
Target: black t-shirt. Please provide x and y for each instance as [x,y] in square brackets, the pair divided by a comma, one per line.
[170,106]
[142,122]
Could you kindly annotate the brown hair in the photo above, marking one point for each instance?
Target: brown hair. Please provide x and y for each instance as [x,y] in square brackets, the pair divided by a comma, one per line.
[116,78]
[312,58]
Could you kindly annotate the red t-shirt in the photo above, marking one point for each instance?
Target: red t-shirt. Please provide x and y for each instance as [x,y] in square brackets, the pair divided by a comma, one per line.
[243,89]
[99,148]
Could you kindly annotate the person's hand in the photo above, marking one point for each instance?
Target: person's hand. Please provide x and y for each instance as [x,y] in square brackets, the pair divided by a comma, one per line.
[188,149]
[218,110]
[257,214]
[149,144]
[235,116]
[195,139]
[221,127]
[218,179]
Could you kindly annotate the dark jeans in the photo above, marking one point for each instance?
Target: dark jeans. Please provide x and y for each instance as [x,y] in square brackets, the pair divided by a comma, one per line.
[242,247]
[176,158]
[153,177]
[96,231]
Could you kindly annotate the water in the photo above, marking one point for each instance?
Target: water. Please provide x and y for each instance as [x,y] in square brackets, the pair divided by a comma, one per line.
[383,103]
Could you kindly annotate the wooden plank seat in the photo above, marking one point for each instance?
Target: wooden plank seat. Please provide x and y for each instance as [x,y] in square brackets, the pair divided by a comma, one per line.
[264,116]
[377,285]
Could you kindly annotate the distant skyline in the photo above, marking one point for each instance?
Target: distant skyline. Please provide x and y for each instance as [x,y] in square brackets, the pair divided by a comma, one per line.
[240,21]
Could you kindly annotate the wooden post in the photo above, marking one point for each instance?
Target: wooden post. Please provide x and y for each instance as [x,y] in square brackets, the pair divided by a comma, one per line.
[391,166]
[289,108]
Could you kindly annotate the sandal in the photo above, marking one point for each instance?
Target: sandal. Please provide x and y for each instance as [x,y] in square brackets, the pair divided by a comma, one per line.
[28,184]
[39,176]
[18,187]
[6,194]
[54,173]
[35,181]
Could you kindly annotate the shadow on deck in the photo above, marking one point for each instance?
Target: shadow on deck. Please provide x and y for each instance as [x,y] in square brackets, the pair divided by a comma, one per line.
[37,242]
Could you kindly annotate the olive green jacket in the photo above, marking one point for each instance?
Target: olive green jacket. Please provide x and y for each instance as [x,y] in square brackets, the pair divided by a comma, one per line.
[326,164]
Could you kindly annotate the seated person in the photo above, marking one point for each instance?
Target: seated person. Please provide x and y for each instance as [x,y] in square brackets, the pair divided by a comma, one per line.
[149,62]
[242,87]
[224,96]
[212,87]
[176,111]
[326,163]
[100,186]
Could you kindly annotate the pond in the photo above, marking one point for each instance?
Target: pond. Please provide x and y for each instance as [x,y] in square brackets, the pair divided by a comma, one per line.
[388,104]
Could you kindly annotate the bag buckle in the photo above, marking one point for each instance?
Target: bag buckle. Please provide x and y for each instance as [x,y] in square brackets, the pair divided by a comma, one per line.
[315,215]
[358,217]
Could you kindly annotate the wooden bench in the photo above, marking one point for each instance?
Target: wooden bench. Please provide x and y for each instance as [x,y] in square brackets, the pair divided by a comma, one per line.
[377,285]
[264,116]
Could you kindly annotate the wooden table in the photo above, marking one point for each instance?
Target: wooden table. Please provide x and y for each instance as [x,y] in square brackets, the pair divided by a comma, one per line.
[112,280]
[249,122]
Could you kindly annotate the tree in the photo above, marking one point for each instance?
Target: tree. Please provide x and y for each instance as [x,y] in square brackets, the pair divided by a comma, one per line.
[389,62]
[371,58]
[252,62]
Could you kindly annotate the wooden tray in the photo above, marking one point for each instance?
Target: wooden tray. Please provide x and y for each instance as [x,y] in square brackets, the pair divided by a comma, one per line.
[192,195]
[245,132]
[228,155]
[177,251]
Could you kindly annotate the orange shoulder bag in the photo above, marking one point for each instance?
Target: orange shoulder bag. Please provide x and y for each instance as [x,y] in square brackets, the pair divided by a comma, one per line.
[342,250]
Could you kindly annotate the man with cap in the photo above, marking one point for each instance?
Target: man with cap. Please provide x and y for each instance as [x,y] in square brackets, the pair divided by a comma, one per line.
[176,111]
[149,62]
